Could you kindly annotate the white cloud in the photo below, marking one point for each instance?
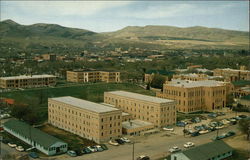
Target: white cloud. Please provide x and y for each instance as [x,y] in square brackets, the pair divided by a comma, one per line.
[63,8]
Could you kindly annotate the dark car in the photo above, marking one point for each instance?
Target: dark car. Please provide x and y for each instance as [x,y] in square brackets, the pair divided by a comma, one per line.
[119,141]
[79,152]
[195,134]
[230,133]
[104,147]
[212,115]
[86,150]
[143,158]
[242,116]
[180,124]
[33,155]
[5,141]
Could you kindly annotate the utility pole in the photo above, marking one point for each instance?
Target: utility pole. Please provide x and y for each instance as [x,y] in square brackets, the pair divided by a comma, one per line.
[217,133]
[133,152]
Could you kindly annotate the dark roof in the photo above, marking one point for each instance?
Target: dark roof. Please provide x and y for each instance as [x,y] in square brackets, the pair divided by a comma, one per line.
[162,72]
[246,97]
[208,150]
[241,83]
[36,135]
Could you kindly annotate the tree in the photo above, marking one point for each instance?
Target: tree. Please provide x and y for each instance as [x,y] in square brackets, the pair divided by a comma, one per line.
[244,126]
[158,81]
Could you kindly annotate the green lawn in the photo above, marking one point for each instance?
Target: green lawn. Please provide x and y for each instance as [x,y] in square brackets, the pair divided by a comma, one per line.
[38,98]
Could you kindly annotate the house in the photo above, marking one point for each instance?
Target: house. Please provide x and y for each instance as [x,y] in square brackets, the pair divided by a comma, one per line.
[215,150]
[43,142]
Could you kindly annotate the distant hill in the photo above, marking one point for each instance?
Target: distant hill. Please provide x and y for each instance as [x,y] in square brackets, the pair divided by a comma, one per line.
[52,37]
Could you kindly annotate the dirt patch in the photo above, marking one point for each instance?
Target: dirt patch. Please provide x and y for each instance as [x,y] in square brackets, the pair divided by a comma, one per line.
[238,142]
[75,142]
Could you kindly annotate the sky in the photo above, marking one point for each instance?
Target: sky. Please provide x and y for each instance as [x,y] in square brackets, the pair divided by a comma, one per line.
[106,16]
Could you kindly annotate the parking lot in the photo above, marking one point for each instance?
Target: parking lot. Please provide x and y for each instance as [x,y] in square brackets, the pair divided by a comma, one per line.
[157,145]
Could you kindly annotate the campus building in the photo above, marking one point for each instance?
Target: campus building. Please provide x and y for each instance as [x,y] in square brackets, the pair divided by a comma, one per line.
[93,76]
[158,111]
[193,96]
[216,150]
[89,120]
[43,142]
[27,81]
[233,74]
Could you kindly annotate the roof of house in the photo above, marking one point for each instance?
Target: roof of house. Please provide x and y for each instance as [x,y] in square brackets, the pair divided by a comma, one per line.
[36,135]
[208,150]
[28,77]
[241,83]
[190,84]
[141,97]
[246,97]
[162,72]
[83,104]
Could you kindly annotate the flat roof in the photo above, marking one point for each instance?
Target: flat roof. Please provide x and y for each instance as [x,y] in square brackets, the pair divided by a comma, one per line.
[140,97]
[125,114]
[132,124]
[234,70]
[190,84]
[27,77]
[83,104]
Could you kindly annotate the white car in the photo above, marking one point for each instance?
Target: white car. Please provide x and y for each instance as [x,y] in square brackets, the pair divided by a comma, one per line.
[125,139]
[203,131]
[20,148]
[113,143]
[12,145]
[92,149]
[168,128]
[188,144]
[174,149]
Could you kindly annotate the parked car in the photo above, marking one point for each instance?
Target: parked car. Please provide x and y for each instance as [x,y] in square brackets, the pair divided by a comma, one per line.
[125,139]
[92,148]
[212,115]
[119,141]
[168,128]
[86,150]
[188,144]
[230,133]
[113,143]
[78,152]
[33,155]
[5,141]
[104,147]
[99,148]
[195,134]
[12,145]
[242,116]
[174,149]
[196,120]
[203,131]
[181,124]
[188,131]
[143,158]
[238,118]
[20,148]
[71,153]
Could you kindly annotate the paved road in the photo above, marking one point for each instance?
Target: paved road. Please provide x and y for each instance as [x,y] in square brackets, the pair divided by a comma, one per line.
[155,146]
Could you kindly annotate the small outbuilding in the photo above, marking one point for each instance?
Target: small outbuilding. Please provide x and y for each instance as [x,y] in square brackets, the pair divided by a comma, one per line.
[216,150]
[42,141]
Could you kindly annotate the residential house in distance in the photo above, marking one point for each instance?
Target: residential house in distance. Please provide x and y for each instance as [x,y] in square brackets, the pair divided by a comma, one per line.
[233,74]
[89,120]
[148,76]
[27,81]
[158,111]
[93,76]
[216,150]
[49,57]
[43,142]
[193,96]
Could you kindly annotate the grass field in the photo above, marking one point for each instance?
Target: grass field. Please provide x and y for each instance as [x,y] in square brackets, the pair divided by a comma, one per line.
[38,98]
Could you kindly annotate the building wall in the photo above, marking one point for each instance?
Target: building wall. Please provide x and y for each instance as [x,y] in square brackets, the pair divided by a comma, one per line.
[196,98]
[93,76]
[99,127]
[27,82]
[233,75]
[198,77]
[245,103]
[160,114]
